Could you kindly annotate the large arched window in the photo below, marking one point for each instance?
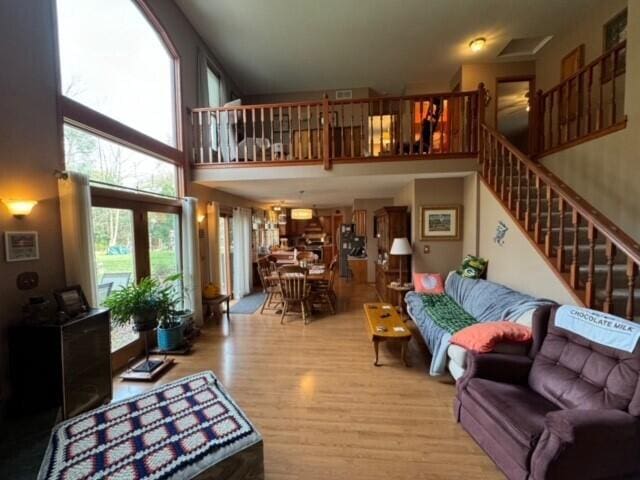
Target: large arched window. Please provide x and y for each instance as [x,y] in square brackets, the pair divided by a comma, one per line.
[113,60]
[119,94]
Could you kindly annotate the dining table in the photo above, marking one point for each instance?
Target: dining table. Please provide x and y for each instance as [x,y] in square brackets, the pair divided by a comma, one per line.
[315,273]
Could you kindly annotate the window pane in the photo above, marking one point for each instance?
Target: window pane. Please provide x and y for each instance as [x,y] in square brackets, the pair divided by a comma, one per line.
[109,162]
[113,61]
[115,266]
[213,88]
[164,244]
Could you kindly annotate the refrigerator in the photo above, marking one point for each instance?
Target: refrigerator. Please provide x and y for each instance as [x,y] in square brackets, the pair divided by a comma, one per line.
[350,244]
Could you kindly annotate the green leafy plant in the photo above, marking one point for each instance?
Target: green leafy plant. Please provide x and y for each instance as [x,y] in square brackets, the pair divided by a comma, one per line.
[148,301]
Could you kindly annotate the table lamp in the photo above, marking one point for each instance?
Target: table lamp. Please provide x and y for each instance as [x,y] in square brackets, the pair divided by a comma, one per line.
[401,246]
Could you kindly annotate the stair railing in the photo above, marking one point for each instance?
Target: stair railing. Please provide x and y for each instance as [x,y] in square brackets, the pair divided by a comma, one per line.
[570,232]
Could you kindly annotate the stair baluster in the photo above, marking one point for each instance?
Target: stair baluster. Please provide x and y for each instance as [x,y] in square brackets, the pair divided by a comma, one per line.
[574,274]
[511,195]
[527,204]
[503,173]
[560,255]
[590,289]
[537,234]
[548,237]
[519,202]
[610,253]
[632,272]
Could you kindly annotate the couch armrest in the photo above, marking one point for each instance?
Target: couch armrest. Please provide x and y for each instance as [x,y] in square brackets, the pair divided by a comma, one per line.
[500,367]
[587,444]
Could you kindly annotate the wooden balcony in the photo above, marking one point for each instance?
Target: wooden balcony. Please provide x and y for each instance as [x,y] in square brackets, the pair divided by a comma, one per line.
[442,125]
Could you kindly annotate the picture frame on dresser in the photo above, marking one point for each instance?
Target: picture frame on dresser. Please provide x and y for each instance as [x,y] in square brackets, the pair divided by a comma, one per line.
[441,222]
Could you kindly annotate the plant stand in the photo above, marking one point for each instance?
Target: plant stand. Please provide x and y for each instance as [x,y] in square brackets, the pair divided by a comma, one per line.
[149,369]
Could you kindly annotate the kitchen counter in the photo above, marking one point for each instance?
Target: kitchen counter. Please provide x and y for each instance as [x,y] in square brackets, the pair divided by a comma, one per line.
[358,267]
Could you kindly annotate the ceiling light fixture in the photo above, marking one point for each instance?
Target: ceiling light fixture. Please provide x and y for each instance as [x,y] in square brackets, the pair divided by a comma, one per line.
[301,213]
[477,44]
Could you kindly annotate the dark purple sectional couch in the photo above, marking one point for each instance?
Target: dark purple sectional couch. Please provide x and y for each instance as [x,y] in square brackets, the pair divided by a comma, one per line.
[569,410]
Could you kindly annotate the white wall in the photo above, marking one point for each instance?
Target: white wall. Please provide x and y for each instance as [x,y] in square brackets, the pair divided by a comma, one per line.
[517,263]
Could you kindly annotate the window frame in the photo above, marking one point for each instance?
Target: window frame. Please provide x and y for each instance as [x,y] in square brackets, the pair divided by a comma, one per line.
[140,205]
[83,117]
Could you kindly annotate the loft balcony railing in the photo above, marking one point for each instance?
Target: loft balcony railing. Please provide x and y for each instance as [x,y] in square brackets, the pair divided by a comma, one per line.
[327,131]
[588,104]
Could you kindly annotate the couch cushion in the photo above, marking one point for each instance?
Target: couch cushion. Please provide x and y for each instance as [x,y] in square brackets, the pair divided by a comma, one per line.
[574,372]
[459,354]
[513,414]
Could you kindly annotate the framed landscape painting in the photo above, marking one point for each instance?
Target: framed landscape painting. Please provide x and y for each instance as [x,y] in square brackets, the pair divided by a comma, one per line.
[440,222]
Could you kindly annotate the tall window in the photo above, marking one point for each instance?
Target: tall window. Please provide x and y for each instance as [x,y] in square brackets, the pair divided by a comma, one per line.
[119,103]
[112,60]
[213,88]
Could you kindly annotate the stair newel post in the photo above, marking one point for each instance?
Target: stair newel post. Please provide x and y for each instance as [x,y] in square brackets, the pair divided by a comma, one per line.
[610,253]
[326,157]
[632,273]
[574,274]
[537,234]
[548,237]
[589,293]
[538,122]
[527,203]
[560,255]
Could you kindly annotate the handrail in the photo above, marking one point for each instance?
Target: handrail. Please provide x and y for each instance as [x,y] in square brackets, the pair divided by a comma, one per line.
[512,175]
[412,126]
[583,106]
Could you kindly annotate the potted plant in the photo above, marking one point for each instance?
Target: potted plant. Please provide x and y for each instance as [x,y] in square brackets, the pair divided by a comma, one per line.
[140,304]
[170,330]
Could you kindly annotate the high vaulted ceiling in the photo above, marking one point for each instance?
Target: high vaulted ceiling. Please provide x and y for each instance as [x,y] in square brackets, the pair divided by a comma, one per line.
[271,46]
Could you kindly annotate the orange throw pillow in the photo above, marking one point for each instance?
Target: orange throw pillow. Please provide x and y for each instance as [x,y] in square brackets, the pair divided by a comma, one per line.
[483,337]
[429,283]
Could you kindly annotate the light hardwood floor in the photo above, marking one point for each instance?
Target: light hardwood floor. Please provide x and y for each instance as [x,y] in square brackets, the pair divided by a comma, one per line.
[324,410]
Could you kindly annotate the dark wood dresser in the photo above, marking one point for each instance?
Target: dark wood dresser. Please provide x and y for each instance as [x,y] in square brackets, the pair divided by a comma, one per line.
[63,365]
[390,223]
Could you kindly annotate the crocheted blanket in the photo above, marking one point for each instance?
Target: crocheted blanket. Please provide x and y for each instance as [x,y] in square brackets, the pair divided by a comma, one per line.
[446,313]
[175,431]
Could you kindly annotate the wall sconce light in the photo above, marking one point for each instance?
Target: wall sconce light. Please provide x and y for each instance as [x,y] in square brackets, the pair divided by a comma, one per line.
[200,218]
[20,208]
[477,44]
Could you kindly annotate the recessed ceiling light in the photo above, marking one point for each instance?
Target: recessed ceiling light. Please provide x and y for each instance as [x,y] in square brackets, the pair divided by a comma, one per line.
[477,44]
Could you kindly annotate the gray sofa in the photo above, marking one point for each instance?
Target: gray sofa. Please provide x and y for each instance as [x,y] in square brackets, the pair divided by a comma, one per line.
[484,300]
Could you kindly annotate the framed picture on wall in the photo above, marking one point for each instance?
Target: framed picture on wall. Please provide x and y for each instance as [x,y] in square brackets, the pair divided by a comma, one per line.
[440,222]
[21,246]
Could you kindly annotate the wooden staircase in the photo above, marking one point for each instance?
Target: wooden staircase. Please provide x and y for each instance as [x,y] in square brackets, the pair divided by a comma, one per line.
[589,253]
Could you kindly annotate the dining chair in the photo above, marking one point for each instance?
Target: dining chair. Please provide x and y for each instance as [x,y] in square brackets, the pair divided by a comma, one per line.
[294,290]
[269,285]
[323,292]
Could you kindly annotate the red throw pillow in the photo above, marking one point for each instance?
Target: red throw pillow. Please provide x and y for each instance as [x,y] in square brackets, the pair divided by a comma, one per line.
[483,337]
[429,283]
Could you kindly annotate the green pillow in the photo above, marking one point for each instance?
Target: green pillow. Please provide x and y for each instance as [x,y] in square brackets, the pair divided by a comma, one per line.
[472,267]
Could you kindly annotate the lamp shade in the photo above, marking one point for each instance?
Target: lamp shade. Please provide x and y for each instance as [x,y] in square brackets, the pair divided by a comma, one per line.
[301,214]
[401,246]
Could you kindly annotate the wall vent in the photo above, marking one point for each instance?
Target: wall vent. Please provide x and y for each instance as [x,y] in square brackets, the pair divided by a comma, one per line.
[344,94]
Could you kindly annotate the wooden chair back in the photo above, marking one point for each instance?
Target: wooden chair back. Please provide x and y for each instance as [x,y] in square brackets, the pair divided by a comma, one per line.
[333,267]
[293,283]
[264,270]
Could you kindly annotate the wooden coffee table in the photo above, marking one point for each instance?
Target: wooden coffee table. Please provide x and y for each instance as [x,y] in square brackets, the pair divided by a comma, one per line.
[385,325]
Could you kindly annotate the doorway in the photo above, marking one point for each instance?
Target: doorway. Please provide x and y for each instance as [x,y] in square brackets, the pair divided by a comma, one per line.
[225,239]
[513,115]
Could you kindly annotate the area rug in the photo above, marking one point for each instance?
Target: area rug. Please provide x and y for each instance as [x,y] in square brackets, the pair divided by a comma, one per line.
[175,431]
[249,304]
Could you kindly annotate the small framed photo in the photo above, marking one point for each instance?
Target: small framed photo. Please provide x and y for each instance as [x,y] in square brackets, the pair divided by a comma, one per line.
[440,222]
[71,300]
[21,246]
